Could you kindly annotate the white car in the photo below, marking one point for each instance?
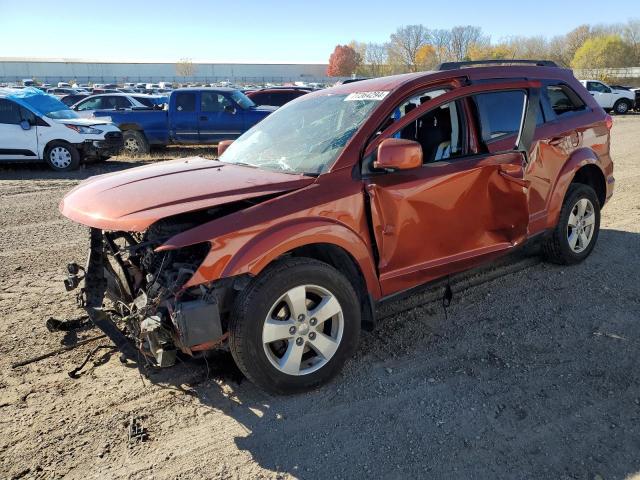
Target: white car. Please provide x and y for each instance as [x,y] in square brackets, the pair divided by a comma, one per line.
[36,126]
[617,99]
[111,101]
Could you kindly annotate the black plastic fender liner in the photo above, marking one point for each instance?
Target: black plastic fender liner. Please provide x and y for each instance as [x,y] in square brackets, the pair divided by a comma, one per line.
[95,286]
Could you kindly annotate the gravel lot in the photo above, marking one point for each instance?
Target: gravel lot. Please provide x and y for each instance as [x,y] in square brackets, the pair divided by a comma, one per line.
[533,374]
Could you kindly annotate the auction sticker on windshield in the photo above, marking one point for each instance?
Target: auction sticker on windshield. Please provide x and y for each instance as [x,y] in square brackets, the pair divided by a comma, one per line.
[352,97]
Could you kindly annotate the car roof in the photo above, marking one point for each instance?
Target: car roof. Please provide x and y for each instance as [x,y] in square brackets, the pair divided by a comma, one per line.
[217,89]
[394,82]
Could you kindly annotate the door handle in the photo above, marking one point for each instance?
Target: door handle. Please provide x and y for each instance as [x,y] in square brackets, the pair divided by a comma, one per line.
[204,119]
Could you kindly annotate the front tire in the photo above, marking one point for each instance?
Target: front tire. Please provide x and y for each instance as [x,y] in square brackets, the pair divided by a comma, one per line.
[294,326]
[576,233]
[62,156]
[622,107]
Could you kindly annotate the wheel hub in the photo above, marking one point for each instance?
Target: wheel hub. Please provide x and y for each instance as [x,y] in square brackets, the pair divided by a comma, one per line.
[303,329]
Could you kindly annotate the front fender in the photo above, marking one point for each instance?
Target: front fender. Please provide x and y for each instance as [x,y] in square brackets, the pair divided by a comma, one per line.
[580,158]
[257,252]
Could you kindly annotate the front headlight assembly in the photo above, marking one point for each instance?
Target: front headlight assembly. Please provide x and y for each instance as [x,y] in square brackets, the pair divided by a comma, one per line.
[84,130]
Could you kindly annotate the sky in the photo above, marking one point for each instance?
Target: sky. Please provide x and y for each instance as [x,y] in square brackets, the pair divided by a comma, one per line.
[266,31]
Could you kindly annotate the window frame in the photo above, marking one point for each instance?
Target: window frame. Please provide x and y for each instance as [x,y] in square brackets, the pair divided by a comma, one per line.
[550,114]
[461,93]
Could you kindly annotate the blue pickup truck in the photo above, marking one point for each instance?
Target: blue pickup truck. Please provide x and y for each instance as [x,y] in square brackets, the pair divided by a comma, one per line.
[195,116]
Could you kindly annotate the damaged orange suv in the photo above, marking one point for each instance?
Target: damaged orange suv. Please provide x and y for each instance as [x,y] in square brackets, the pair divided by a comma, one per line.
[281,249]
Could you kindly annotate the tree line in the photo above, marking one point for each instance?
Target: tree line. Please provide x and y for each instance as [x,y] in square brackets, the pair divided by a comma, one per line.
[413,48]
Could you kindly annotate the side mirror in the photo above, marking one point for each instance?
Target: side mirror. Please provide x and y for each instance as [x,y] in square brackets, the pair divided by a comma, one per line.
[230,109]
[398,154]
[25,125]
[223,145]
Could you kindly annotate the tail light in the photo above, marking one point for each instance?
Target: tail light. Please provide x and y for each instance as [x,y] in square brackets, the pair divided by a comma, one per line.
[608,119]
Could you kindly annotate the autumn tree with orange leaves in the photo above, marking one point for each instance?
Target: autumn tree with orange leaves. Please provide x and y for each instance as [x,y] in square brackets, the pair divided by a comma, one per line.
[343,62]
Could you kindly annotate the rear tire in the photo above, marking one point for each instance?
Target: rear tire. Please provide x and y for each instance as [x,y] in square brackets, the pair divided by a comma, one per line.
[294,326]
[62,156]
[622,106]
[576,233]
[135,143]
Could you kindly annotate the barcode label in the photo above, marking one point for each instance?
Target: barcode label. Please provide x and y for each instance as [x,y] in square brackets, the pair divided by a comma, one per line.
[375,96]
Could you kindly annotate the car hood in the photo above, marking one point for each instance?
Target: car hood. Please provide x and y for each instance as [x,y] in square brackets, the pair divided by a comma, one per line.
[134,199]
[85,122]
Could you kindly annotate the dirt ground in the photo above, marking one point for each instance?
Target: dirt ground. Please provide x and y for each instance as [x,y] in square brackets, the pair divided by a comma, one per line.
[533,373]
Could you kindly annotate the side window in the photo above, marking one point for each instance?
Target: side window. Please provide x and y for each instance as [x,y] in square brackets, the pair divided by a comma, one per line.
[28,115]
[260,98]
[9,112]
[122,102]
[213,102]
[91,104]
[186,102]
[407,106]
[564,100]
[500,114]
[597,87]
[440,133]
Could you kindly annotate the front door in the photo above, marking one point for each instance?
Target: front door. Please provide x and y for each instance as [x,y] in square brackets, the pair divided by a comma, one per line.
[468,202]
[220,118]
[16,143]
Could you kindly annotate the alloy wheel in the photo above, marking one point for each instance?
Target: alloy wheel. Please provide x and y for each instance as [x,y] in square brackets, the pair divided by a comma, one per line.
[303,330]
[581,225]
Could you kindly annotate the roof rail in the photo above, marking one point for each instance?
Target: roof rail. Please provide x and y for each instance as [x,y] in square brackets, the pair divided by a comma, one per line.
[456,65]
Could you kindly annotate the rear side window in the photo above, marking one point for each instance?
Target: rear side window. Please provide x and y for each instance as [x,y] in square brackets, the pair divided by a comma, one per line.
[9,112]
[186,102]
[500,114]
[261,98]
[564,100]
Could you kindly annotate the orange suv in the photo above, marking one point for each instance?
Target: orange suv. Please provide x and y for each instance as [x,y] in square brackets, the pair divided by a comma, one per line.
[281,249]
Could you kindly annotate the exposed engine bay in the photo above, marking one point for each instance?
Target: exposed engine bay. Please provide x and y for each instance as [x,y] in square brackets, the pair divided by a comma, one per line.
[149,305]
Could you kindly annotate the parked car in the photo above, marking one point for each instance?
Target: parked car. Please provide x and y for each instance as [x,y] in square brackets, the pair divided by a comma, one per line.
[36,126]
[193,116]
[276,97]
[620,100]
[282,248]
[62,91]
[101,90]
[72,99]
[106,102]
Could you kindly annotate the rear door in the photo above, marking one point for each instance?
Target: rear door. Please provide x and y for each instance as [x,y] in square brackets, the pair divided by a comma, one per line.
[184,118]
[468,202]
[220,118]
[15,142]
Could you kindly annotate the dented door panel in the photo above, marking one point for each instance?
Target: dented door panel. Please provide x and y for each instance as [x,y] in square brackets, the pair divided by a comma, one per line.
[446,215]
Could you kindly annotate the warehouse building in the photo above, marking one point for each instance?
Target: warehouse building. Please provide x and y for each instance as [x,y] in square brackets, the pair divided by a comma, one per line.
[88,71]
